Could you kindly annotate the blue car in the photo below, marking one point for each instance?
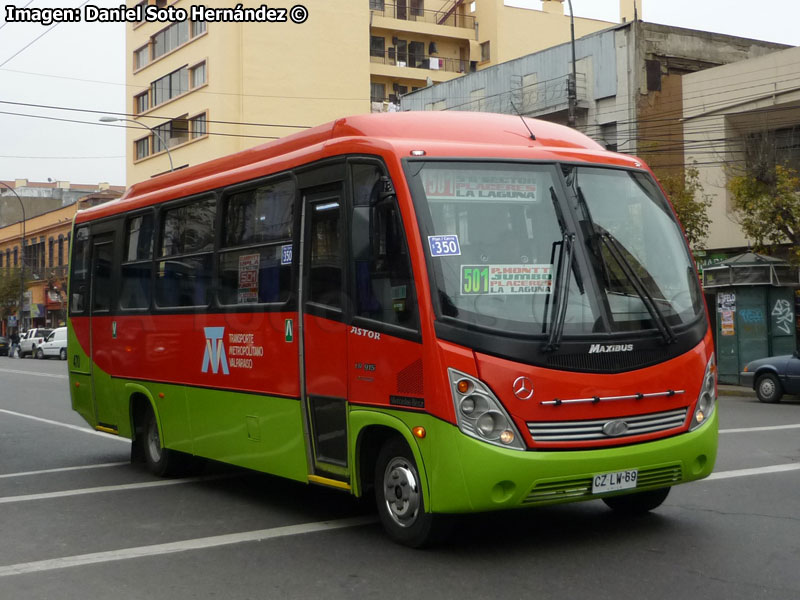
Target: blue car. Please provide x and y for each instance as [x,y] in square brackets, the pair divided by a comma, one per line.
[773,377]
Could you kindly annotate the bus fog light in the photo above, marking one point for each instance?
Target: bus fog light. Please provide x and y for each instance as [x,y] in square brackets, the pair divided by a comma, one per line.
[507,436]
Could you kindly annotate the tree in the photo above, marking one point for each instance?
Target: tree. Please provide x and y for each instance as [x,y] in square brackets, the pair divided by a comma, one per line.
[766,204]
[691,204]
[9,292]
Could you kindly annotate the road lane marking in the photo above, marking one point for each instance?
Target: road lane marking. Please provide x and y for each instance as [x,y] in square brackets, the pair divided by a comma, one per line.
[37,374]
[63,469]
[754,471]
[767,428]
[184,546]
[67,425]
[109,488]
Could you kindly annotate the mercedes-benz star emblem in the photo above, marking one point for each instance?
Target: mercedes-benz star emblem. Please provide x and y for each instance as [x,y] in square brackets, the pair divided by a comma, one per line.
[523,388]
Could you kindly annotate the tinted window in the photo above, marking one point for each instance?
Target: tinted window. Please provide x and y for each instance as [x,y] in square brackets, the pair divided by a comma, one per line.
[188,229]
[80,271]
[264,214]
[262,220]
[382,269]
[325,279]
[137,267]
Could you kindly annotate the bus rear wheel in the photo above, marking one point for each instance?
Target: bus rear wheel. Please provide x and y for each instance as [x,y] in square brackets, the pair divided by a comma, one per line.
[160,461]
[638,503]
[398,496]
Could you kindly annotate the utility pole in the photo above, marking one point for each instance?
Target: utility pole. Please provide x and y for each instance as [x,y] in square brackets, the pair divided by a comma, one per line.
[572,79]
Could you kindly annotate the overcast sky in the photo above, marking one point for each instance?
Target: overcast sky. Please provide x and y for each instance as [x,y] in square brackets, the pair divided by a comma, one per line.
[82,66]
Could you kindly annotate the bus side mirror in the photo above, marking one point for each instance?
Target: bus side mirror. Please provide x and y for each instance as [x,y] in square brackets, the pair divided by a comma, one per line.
[385,190]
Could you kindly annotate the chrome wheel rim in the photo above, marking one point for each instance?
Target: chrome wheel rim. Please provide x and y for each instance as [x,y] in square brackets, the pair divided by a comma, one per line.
[401,492]
[154,442]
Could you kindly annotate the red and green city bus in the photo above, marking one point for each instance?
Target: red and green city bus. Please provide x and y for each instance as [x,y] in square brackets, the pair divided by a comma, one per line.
[455,312]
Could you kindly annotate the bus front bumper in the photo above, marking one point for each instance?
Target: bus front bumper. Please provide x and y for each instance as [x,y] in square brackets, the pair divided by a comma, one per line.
[466,475]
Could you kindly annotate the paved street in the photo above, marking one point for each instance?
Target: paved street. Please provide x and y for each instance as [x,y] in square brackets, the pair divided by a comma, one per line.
[78,521]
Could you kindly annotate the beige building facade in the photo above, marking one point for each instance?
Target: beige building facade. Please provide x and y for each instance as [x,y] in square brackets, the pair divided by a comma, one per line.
[729,112]
[200,88]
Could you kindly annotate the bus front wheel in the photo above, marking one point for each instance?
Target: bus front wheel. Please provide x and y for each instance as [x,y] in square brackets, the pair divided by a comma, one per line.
[398,496]
[638,503]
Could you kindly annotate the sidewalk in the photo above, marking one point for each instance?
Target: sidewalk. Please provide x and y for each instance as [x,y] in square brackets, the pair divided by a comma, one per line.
[735,390]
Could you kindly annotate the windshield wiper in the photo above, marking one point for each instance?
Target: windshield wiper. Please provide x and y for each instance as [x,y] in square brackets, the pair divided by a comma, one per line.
[652,307]
[560,292]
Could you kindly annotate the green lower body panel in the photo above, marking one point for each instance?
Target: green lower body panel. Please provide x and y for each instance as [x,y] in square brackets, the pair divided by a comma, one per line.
[463,474]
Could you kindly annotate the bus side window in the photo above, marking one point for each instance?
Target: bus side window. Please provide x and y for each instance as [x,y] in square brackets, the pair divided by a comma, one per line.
[382,268]
[137,265]
[183,276]
[79,279]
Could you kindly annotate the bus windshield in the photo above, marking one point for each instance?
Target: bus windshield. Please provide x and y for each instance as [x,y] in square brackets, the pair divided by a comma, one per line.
[529,248]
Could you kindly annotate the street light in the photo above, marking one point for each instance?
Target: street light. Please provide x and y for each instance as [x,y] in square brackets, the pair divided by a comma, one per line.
[150,129]
[21,259]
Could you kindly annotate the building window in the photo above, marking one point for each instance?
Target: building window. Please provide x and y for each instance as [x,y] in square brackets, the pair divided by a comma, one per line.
[142,148]
[141,56]
[198,126]
[60,250]
[141,102]
[170,86]
[376,4]
[170,38]
[485,53]
[50,253]
[198,27]
[377,46]
[417,8]
[378,92]
[197,75]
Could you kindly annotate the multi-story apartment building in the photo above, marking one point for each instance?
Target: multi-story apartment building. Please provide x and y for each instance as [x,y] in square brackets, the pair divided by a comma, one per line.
[202,88]
[45,253]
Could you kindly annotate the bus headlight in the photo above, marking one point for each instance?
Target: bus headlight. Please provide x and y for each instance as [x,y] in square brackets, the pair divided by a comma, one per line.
[480,414]
[707,400]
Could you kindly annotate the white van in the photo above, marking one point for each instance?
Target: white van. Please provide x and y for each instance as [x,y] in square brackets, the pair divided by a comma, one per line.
[54,345]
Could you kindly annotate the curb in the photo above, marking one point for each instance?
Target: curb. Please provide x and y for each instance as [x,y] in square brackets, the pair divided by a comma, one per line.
[734,390]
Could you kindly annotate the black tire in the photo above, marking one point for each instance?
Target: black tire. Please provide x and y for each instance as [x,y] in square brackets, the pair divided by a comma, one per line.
[638,503]
[768,388]
[63,354]
[40,354]
[160,461]
[399,499]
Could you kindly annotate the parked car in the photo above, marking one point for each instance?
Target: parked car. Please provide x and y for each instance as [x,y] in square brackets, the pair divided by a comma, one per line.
[54,345]
[5,345]
[31,340]
[773,377]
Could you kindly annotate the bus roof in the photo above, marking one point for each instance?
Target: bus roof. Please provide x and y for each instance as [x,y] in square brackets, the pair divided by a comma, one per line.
[440,133]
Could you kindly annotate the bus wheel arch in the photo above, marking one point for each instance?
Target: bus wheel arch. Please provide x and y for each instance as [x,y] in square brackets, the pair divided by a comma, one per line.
[147,439]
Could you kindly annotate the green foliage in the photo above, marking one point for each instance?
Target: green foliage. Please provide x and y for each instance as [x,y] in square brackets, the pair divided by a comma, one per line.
[9,292]
[768,207]
[691,204]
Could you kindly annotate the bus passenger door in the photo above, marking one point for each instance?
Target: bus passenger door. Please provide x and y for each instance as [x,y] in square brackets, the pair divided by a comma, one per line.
[102,329]
[324,333]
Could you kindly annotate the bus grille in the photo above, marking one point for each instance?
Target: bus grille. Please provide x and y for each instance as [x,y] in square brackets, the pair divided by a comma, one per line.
[615,362]
[552,491]
[583,431]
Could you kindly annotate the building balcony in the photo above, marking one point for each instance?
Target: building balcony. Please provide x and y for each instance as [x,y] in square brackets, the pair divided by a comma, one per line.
[400,17]
[420,67]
